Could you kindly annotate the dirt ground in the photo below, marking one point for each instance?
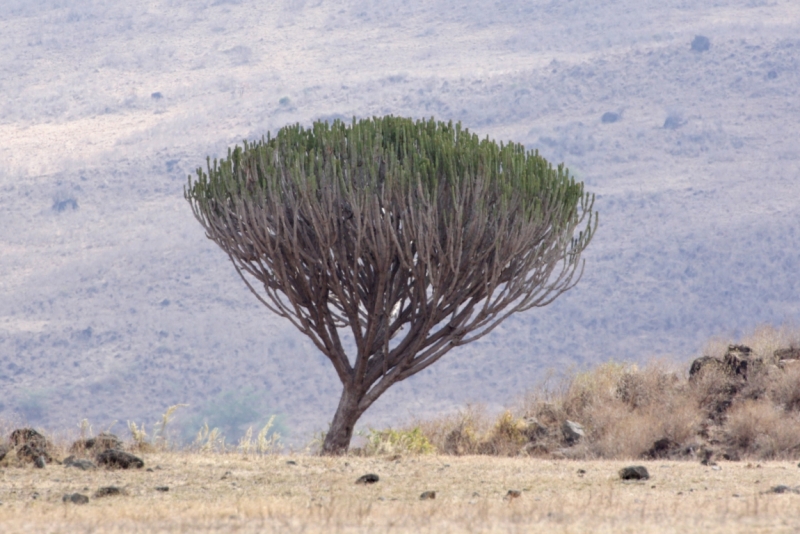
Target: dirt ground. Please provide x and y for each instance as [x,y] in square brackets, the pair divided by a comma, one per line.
[232,493]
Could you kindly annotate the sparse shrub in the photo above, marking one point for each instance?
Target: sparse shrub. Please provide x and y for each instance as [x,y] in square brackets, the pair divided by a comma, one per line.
[760,428]
[389,441]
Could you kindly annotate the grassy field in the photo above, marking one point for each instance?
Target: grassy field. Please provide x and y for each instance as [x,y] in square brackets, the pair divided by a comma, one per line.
[303,493]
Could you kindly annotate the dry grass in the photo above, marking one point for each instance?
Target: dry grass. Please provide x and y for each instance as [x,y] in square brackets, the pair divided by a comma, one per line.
[232,492]
[626,409]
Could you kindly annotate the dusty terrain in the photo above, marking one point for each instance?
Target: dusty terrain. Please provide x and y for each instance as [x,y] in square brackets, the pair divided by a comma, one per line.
[235,493]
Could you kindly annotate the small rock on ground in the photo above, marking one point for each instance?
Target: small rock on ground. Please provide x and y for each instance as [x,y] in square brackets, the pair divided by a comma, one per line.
[634,472]
[512,494]
[119,459]
[76,498]
[369,478]
[426,495]
[108,491]
[80,463]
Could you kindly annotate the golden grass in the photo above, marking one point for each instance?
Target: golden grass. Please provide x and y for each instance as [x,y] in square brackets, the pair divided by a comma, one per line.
[231,492]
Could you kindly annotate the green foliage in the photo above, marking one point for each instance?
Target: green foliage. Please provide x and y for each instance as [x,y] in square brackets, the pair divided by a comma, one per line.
[420,162]
[391,441]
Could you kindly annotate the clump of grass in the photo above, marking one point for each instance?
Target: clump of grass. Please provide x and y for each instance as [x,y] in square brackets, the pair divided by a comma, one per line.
[265,442]
[389,441]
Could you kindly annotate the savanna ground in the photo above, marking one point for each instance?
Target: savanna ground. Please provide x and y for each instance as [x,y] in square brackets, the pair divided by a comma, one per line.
[716,440]
[235,493]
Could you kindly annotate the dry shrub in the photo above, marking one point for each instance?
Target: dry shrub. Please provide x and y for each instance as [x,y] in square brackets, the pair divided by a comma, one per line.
[784,390]
[762,429]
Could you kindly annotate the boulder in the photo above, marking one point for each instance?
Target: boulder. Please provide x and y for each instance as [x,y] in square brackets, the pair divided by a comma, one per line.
[28,435]
[34,453]
[102,442]
[573,432]
[113,458]
[634,472]
[739,360]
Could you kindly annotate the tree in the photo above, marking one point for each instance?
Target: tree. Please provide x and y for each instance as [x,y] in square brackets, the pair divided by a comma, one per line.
[400,238]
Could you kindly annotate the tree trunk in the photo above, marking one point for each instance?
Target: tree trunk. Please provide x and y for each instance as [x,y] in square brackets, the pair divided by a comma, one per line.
[338,438]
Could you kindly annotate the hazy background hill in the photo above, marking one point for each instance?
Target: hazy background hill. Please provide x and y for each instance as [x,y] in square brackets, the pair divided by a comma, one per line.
[114,305]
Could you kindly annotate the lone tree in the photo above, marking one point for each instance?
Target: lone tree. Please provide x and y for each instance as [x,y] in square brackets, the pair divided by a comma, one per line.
[409,237]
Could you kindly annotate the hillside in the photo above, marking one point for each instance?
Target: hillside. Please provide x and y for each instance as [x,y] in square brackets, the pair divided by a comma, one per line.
[115,305]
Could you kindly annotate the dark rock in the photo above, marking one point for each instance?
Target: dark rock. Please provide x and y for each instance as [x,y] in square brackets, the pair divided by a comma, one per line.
[662,448]
[28,435]
[75,498]
[700,43]
[512,494]
[634,472]
[573,432]
[581,472]
[738,360]
[3,451]
[369,478]
[108,491]
[291,462]
[80,463]
[162,488]
[703,362]
[32,452]
[427,495]
[783,489]
[102,442]
[40,462]
[610,117]
[114,458]
[791,353]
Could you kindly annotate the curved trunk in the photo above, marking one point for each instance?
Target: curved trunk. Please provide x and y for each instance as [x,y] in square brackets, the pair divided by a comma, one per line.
[337,440]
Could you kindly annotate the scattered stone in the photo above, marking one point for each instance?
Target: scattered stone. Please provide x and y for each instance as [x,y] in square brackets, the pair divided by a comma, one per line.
[102,442]
[634,472]
[114,458]
[40,462]
[581,472]
[369,478]
[427,495]
[609,117]
[700,43]
[80,463]
[162,488]
[226,475]
[705,457]
[783,489]
[573,432]
[291,462]
[512,494]
[75,498]
[108,491]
